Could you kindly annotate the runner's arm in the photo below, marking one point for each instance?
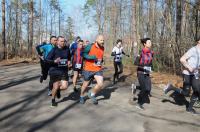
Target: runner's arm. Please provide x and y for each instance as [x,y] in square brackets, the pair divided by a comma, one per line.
[69,59]
[183,60]
[38,50]
[49,59]
[113,52]
[86,52]
[125,54]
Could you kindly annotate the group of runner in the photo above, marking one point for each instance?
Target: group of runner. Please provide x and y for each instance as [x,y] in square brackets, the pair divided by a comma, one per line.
[191,62]
[57,57]
[86,59]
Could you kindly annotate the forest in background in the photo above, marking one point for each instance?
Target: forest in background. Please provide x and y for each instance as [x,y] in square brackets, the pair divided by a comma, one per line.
[172,25]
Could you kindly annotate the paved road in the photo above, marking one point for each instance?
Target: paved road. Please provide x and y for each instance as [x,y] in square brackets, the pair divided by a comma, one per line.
[25,107]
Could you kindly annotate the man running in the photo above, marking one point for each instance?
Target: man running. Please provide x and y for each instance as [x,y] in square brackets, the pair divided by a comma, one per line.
[191,63]
[73,47]
[59,58]
[117,52]
[43,51]
[77,63]
[42,63]
[93,55]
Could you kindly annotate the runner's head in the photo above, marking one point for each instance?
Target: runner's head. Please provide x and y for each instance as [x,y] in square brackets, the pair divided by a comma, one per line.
[77,39]
[80,43]
[100,40]
[119,43]
[53,40]
[146,42]
[61,41]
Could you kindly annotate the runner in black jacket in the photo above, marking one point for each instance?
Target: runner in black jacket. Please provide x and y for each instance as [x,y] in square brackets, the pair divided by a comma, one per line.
[59,59]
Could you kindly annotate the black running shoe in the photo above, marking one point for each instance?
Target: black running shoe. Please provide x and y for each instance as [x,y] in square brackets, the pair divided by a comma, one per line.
[58,94]
[41,79]
[53,103]
[75,90]
[191,110]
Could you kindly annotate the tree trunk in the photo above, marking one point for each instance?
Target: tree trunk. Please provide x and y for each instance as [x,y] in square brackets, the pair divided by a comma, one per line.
[30,28]
[98,11]
[40,21]
[16,29]
[3,30]
[59,11]
[178,31]
[20,30]
[134,37]
[197,20]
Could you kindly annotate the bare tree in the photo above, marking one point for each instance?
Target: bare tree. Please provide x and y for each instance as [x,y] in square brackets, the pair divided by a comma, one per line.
[134,37]
[3,29]
[16,46]
[30,44]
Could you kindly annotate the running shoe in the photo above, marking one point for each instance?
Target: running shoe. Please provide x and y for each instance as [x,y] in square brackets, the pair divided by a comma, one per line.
[94,100]
[53,103]
[41,79]
[167,88]
[197,104]
[82,100]
[191,110]
[49,92]
[75,89]
[139,106]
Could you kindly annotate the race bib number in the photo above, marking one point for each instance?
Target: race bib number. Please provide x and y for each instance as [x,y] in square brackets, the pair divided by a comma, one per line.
[98,62]
[147,69]
[118,59]
[63,62]
[78,66]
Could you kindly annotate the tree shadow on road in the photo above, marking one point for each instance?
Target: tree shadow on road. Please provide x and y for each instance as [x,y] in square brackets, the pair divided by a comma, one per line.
[72,96]
[178,99]
[14,83]
[25,103]
[124,77]
[106,92]
[41,124]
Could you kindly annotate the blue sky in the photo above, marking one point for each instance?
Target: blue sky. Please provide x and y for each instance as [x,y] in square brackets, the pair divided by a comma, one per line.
[72,8]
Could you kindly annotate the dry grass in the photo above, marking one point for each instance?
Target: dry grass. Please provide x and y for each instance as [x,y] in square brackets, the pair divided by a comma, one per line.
[158,79]
[17,60]
[131,70]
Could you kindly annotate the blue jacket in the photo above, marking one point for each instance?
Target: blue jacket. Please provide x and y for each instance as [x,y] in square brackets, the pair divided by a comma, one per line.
[45,49]
[73,48]
[38,48]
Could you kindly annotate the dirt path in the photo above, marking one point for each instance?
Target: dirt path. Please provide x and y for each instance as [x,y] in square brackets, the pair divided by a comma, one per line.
[25,106]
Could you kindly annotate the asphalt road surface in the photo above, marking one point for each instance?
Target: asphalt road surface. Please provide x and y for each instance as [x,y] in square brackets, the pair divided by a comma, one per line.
[25,107]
